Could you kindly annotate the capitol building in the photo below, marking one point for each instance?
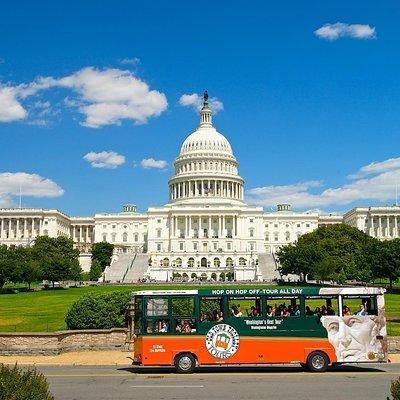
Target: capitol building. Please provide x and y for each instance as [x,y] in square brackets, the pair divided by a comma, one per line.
[205,231]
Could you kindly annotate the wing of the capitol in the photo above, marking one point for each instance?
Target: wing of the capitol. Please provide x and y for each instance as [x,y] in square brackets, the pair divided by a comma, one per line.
[206,229]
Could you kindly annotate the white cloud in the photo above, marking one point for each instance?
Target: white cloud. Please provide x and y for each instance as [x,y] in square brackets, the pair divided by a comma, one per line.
[379,186]
[152,163]
[105,97]
[338,30]
[130,61]
[10,108]
[377,167]
[104,159]
[29,184]
[196,101]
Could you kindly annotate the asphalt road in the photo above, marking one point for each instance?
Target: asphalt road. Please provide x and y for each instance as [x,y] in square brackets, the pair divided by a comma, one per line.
[289,382]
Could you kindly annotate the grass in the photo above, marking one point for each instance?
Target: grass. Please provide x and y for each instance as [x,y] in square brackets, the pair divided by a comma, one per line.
[45,310]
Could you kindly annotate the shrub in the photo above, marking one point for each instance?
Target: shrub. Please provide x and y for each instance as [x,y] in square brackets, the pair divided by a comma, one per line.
[27,384]
[99,311]
[395,389]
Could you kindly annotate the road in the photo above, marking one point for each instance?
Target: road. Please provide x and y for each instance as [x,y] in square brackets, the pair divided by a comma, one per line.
[289,382]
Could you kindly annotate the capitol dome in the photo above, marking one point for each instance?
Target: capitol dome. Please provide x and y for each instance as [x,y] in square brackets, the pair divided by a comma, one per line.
[206,138]
[206,167]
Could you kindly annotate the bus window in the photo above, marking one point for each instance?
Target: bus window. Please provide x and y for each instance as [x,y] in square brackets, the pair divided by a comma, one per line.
[158,326]
[187,325]
[244,307]
[211,309]
[183,306]
[137,327]
[283,306]
[317,305]
[156,306]
[359,305]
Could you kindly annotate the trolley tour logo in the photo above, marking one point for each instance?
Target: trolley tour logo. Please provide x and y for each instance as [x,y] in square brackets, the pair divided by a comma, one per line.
[222,341]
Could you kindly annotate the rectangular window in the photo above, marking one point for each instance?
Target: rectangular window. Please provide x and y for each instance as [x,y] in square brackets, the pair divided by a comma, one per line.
[211,309]
[215,245]
[158,325]
[229,246]
[359,305]
[185,326]
[181,246]
[317,305]
[283,307]
[183,306]
[157,306]
[158,246]
[195,246]
[158,233]
[245,307]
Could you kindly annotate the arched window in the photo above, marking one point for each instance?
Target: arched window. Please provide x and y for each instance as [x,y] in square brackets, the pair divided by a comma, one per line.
[165,262]
[191,262]
[104,237]
[194,275]
[251,232]
[287,236]
[242,261]
[178,262]
[217,262]
[214,276]
[229,262]
[204,262]
[113,235]
[124,237]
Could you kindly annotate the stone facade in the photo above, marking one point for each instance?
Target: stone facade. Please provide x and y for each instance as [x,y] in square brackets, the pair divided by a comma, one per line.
[60,342]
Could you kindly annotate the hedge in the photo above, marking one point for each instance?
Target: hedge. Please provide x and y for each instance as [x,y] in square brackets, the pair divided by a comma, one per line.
[99,311]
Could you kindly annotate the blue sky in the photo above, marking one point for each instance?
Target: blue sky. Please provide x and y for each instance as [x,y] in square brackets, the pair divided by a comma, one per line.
[312,115]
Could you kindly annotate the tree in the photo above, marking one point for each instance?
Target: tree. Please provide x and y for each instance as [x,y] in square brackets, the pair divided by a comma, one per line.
[75,271]
[385,256]
[102,252]
[5,265]
[336,252]
[95,270]
[57,256]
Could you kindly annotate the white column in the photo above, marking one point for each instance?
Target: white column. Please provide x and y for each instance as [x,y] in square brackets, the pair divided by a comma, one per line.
[387,226]
[220,226]
[1,227]
[17,235]
[223,234]
[209,227]
[9,227]
[396,228]
[380,227]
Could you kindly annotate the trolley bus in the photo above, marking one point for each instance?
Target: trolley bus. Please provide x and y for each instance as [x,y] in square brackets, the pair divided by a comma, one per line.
[313,326]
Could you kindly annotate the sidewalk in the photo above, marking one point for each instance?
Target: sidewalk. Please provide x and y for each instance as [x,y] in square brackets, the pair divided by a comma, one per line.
[93,358]
[73,358]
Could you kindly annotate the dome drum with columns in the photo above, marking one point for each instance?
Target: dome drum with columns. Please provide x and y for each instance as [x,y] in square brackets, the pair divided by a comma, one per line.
[206,166]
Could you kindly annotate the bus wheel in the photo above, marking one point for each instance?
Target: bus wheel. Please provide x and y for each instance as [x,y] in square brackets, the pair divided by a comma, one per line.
[185,363]
[317,361]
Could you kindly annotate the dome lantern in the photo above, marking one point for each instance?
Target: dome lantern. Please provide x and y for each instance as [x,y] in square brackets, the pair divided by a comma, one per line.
[205,113]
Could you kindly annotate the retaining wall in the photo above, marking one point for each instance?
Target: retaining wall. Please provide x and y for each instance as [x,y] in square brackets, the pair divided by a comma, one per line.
[59,342]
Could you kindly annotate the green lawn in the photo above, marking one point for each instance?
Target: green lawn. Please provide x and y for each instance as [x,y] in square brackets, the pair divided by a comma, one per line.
[45,310]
